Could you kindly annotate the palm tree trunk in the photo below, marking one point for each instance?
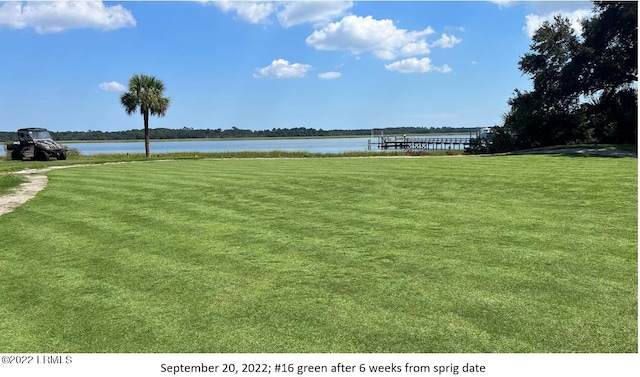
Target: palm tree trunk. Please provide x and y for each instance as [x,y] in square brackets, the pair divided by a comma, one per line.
[147,142]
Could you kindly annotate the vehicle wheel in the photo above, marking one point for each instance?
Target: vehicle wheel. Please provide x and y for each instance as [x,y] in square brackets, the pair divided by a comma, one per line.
[42,155]
[16,155]
[62,155]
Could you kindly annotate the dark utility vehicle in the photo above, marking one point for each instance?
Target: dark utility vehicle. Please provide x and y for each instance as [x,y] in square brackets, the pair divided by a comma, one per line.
[36,144]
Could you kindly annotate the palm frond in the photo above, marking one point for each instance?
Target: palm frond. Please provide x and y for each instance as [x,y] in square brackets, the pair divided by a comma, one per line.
[146,94]
[130,102]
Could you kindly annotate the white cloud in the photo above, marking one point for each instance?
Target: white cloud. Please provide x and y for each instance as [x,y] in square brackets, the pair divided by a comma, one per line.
[415,48]
[366,34]
[534,21]
[447,41]
[502,3]
[112,86]
[54,17]
[288,13]
[282,69]
[318,13]
[252,12]
[329,75]
[414,65]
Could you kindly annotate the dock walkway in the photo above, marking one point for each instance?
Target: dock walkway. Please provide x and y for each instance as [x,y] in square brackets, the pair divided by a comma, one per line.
[420,143]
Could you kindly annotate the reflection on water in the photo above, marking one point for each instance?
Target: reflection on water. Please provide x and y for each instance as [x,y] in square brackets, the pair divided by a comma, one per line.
[328,145]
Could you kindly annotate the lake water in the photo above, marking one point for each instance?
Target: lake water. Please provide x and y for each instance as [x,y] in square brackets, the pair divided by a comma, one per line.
[324,145]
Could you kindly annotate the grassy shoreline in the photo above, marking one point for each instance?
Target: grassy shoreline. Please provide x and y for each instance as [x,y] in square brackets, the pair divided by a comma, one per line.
[9,166]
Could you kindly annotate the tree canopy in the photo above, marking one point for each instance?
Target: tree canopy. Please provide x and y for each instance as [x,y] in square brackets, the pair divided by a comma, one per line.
[584,86]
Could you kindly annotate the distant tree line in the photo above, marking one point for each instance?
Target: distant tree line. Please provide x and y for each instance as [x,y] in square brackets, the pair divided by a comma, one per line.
[234,132]
[585,87]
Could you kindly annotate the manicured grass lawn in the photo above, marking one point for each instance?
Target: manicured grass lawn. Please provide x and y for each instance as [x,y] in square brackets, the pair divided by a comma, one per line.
[471,254]
[9,182]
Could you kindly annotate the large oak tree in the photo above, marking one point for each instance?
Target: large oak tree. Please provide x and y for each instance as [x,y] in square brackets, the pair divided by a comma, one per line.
[584,86]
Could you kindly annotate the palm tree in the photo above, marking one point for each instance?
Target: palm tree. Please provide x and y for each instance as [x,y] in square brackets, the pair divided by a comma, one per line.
[145,92]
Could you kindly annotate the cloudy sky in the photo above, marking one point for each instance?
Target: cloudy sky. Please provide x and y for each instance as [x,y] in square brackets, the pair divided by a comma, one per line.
[263,65]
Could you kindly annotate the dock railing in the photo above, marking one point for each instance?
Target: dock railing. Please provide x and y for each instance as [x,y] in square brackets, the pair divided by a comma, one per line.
[420,143]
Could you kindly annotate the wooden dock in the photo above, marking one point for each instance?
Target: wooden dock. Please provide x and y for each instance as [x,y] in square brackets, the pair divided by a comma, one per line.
[419,143]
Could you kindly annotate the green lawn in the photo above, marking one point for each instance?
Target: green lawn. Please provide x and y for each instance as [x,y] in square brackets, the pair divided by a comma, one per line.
[471,254]
[9,182]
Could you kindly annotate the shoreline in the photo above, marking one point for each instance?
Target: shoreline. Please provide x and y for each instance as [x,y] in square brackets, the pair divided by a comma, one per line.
[255,138]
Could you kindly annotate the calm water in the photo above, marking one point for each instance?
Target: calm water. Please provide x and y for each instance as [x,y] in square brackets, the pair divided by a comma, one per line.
[330,145]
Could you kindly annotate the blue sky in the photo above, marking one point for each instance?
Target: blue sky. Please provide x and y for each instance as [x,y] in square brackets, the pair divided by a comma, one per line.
[263,65]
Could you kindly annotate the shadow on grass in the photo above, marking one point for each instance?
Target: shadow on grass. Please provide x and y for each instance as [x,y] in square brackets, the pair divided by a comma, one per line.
[615,154]
[602,152]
